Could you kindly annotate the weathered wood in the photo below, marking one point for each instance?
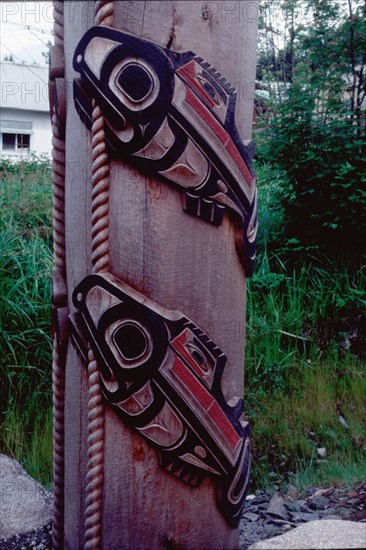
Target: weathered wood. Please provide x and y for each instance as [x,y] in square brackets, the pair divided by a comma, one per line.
[178,261]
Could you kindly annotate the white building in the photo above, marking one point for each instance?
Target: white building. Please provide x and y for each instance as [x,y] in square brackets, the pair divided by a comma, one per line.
[25,124]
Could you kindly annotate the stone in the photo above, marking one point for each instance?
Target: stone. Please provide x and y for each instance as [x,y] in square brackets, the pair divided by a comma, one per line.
[304,516]
[316,535]
[250,516]
[343,421]
[328,512]
[261,499]
[281,522]
[305,508]
[310,491]
[294,506]
[318,503]
[24,504]
[277,511]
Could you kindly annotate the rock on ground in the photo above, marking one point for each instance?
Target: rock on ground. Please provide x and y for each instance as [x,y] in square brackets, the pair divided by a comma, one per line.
[24,504]
[330,534]
[38,539]
[268,515]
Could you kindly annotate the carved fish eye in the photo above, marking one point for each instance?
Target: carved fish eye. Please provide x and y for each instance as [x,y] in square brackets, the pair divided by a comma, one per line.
[210,89]
[130,341]
[198,357]
[135,81]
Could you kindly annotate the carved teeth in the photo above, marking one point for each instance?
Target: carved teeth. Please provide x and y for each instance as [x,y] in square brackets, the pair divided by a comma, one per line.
[193,480]
[178,472]
[192,204]
[168,467]
[186,477]
[218,214]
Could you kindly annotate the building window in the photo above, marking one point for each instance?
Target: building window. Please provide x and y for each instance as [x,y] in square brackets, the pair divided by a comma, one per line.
[15,142]
[23,141]
[9,142]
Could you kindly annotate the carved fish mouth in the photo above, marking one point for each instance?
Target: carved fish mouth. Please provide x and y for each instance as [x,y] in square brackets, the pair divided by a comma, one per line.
[171,115]
[162,375]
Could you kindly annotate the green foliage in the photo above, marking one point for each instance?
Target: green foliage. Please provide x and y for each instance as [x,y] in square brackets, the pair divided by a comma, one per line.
[305,348]
[315,129]
[25,331]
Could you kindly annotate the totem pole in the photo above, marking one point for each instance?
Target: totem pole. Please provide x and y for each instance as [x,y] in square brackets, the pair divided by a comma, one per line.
[155,221]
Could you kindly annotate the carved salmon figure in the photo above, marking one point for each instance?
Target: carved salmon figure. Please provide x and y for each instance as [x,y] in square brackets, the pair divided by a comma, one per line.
[171,115]
[162,375]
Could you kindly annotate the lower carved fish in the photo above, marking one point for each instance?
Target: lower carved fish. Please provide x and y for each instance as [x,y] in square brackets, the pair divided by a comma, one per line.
[162,375]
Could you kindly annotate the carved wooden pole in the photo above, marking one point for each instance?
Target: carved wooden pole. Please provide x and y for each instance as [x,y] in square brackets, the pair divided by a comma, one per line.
[155,226]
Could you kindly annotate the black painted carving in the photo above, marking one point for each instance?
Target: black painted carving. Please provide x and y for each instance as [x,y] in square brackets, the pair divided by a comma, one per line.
[171,115]
[162,375]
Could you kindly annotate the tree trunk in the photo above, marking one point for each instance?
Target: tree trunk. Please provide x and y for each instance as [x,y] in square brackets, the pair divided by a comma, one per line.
[186,268]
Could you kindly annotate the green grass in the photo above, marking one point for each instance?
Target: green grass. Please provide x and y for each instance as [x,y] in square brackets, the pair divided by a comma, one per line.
[291,423]
[27,435]
[305,352]
[25,327]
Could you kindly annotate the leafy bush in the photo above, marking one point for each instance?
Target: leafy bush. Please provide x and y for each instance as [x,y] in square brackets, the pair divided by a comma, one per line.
[314,128]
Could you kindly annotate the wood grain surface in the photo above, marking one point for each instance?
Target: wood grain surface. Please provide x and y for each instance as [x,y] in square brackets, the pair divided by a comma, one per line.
[177,260]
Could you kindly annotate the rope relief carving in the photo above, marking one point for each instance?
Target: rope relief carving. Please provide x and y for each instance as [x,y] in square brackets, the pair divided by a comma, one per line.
[171,115]
[59,293]
[103,15]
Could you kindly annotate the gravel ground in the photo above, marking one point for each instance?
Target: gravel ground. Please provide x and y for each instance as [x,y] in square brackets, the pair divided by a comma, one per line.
[267,516]
[39,539]
[264,515]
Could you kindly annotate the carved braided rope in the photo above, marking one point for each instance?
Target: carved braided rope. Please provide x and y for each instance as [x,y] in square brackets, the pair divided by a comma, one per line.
[100,263]
[103,12]
[58,366]
[58,391]
[94,476]
[58,24]
[100,194]
[58,198]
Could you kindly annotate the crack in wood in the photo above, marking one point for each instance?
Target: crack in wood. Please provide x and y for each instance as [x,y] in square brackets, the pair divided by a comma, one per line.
[172,31]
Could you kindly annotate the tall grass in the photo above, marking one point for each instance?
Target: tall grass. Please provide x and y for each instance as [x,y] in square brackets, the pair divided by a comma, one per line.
[25,331]
[305,350]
